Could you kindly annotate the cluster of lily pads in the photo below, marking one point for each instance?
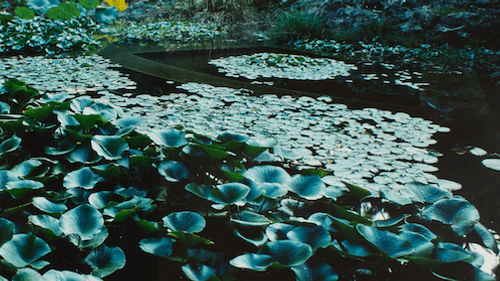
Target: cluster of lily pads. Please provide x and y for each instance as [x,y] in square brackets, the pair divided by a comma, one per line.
[286,66]
[45,35]
[174,31]
[74,169]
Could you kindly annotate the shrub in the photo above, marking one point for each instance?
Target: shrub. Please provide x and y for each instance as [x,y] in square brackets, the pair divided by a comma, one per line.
[298,25]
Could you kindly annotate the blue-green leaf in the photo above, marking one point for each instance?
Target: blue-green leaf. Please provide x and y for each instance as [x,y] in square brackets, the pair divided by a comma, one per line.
[186,221]
[257,262]
[390,243]
[66,275]
[6,230]
[198,272]
[84,178]
[457,212]
[4,108]
[160,246]
[91,243]
[250,219]
[48,206]
[105,260]
[47,222]
[104,15]
[308,187]
[62,148]
[425,193]
[288,252]
[19,189]
[83,155]
[278,231]
[84,220]
[267,174]
[323,272]
[173,171]
[109,147]
[24,249]
[26,274]
[487,237]
[171,137]
[229,193]
[314,236]
[10,145]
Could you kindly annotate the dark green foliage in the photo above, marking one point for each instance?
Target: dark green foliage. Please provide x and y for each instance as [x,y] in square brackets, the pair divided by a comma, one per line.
[298,25]
[197,203]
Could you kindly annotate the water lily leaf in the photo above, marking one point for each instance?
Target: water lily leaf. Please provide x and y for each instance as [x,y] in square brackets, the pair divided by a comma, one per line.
[26,274]
[267,174]
[4,108]
[390,243]
[65,11]
[262,142]
[493,164]
[394,196]
[308,187]
[106,111]
[89,121]
[189,239]
[160,246]
[212,152]
[84,220]
[109,147]
[358,249]
[201,255]
[457,212]
[171,137]
[173,171]
[420,229]
[105,260]
[122,211]
[24,13]
[6,230]
[287,154]
[226,137]
[48,206]
[257,262]
[250,219]
[186,221]
[322,219]
[229,193]
[10,145]
[198,272]
[91,243]
[129,192]
[89,4]
[128,121]
[425,193]
[278,231]
[314,236]
[24,249]
[67,275]
[62,148]
[25,168]
[258,239]
[41,6]
[358,192]
[487,237]
[84,178]
[80,103]
[41,113]
[48,223]
[449,252]
[287,252]
[145,225]
[83,155]
[19,189]
[422,246]
[200,190]
[323,271]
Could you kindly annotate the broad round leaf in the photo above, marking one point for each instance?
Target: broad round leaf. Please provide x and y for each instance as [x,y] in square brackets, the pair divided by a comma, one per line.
[198,272]
[278,231]
[23,249]
[308,187]
[171,137]
[84,220]
[48,206]
[324,272]
[390,243]
[47,222]
[20,188]
[229,193]
[425,193]
[84,178]
[493,164]
[10,145]
[6,230]
[250,219]
[83,155]
[109,147]
[267,174]
[288,252]
[92,243]
[105,260]
[65,275]
[457,212]
[4,108]
[173,171]
[160,246]
[41,6]
[187,221]
[26,274]
[314,236]
[252,261]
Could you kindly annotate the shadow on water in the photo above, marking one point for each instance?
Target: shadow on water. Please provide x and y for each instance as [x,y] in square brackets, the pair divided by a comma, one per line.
[474,122]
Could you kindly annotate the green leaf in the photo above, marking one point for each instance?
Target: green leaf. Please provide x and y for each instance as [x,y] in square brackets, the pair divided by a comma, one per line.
[105,260]
[106,111]
[392,244]
[83,155]
[212,152]
[47,222]
[122,211]
[186,221]
[314,236]
[48,206]
[250,219]
[89,121]
[457,212]
[198,272]
[358,192]
[6,230]
[323,271]
[65,11]
[308,187]
[4,108]
[160,246]
[287,252]
[62,148]
[24,12]
[26,274]
[189,239]
[487,237]
[267,174]
[257,262]
[84,178]
[425,193]
[229,193]
[171,137]
[109,147]
[40,114]
[19,189]
[24,249]
[173,171]
[200,190]
[25,168]
[84,220]
[91,243]
[9,145]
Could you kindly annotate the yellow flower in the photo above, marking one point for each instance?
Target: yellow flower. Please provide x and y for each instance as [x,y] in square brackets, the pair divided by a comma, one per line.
[119,4]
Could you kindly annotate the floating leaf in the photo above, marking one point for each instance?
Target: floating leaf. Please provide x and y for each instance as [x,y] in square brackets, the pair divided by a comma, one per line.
[91,243]
[257,262]
[173,171]
[308,187]
[160,246]
[24,169]
[10,145]
[390,243]
[62,148]
[314,236]
[424,193]
[198,272]
[24,12]
[187,221]
[128,121]
[4,108]
[26,274]
[288,252]
[84,220]
[278,231]
[250,219]
[493,164]
[256,239]
[487,237]
[6,230]
[47,222]
[229,193]
[109,147]
[84,178]
[323,271]
[200,190]
[189,239]
[171,137]
[105,260]
[457,212]
[106,111]
[267,174]
[66,275]
[24,249]
[19,189]
[83,155]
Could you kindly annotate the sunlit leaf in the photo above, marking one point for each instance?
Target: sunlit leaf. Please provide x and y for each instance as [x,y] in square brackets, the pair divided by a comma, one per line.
[186,221]
[306,272]
[84,220]
[173,171]
[288,252]
[171,137]
[26,274]
[105,260]
[160,246]
[229,193]
[250,219]
[198,272]
[457,212]
[21,188]
[10,145]
[314,236]
[308,187]
[23,249]
[257,262]
[47,222]
[390,243]
[83,155]
[109,147]
[84,178]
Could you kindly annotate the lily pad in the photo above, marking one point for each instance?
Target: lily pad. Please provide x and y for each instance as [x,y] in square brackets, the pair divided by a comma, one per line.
[187,221]
[457,212]
[109,147]
[83,155]
[493,164]
[250,219]
[287,252]
[84,220]
[160,246]
[46,222]
[105,260]
[84,178]
[19,189]
[229,193]
[6,230]
[24,249]
[267,174]
[171,137]
[308,187]
[390,243]
[10,145]
[26,274]
[173,171]
[314,236]
[257,262]
[198,272]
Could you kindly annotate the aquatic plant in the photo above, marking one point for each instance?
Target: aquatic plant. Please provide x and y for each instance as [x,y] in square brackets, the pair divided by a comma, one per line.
[75,172]
[297,25]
